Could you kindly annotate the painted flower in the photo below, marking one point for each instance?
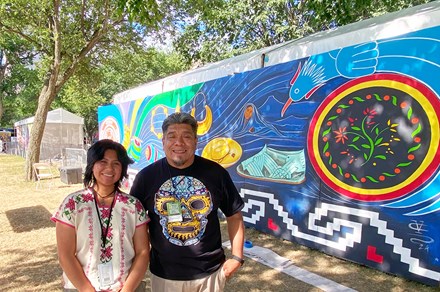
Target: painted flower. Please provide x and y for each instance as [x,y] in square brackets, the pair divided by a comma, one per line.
[340,135]
[370,113]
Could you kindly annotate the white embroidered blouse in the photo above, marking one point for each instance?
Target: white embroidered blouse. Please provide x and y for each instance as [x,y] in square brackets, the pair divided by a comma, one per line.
[79,211]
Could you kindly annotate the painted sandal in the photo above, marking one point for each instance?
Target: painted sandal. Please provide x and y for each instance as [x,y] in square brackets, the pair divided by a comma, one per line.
[275,165]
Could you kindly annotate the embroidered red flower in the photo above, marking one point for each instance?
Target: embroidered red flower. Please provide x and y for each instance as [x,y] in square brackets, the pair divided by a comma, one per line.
[105,213]
[107,252]
[70,204]
[88,197]
[139,207]
[123,199]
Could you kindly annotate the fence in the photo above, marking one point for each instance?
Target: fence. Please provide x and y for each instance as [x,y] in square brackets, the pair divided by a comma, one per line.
[63,156]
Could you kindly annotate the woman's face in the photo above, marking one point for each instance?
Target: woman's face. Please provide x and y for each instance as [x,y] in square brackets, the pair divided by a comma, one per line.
[108,170]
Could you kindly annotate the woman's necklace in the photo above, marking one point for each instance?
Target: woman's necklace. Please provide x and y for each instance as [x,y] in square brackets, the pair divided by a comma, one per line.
[103,197]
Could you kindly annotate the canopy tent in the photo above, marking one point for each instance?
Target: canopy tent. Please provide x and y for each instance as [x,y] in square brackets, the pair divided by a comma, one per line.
[63,130]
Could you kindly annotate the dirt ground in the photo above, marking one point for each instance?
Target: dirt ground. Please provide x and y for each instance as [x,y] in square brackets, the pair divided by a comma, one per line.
[28,259]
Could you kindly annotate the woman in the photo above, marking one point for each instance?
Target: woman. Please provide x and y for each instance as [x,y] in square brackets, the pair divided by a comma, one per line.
[102,232]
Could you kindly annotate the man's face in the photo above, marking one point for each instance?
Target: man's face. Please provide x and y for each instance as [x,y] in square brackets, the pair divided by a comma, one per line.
[179,144]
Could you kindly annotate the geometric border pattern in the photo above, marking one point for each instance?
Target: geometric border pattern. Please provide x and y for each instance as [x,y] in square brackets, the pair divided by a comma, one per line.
[333,227]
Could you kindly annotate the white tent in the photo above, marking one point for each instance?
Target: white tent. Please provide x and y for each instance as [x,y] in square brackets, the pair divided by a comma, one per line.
[63,130]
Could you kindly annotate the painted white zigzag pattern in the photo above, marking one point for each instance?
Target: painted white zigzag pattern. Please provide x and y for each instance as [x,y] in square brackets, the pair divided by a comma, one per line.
[341,243]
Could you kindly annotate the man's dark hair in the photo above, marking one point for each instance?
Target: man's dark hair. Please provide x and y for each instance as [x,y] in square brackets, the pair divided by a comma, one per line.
[179,118]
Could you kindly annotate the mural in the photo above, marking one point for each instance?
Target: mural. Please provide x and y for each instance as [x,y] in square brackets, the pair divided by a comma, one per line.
[338,151]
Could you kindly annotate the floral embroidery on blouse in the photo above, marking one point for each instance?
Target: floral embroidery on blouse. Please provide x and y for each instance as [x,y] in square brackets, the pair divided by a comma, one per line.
[107,245]
[79,211]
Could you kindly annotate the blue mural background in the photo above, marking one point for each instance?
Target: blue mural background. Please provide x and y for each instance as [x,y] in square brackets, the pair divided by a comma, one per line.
[257,124]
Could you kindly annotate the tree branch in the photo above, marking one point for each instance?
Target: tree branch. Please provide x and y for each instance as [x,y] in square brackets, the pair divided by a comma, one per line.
[96,37]
[26,37]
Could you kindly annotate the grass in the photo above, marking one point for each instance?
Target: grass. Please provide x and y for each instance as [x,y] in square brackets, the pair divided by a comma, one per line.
[28,258]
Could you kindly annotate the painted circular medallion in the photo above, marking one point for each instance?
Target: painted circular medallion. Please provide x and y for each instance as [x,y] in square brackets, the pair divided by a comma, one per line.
[376,137]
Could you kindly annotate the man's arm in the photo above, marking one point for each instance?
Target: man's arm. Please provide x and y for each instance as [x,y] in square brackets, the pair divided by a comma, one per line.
[236,236]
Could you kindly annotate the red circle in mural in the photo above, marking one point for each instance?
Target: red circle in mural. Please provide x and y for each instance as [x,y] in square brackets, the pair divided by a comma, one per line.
[376,137]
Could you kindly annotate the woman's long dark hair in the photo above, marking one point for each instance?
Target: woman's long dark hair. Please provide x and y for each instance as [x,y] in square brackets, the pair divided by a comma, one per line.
[96,153]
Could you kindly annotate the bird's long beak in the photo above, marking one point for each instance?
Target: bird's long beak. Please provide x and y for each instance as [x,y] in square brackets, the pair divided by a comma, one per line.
[286,105]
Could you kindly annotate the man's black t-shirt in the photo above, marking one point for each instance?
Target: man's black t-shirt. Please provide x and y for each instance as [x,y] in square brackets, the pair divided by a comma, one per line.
[188,245]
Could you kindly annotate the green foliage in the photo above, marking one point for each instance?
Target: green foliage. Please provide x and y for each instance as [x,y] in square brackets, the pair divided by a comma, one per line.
[69,34]
[95,86]
[19,84]
[117,61]
[234,27]
[20,95]
[329,13]
[146,12]
[201,31]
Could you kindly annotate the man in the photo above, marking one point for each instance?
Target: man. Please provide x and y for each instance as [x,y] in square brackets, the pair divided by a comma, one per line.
[182,193]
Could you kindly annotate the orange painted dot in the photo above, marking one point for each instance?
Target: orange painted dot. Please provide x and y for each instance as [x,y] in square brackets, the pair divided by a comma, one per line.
[334,165]
[411,156]
[363,179]
[381,178]
[414,120]
[327,154]
[325,139]
[338,111]
[386,97]
[397,170]
[403,105]
[368,96]
[351,102]
[329,123]
[417,139]
[347,175]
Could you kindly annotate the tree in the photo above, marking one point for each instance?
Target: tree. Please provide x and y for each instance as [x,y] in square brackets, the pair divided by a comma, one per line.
[121,70]
[3,67]
[17,80]
[235,27]
[328,14]
[64,33]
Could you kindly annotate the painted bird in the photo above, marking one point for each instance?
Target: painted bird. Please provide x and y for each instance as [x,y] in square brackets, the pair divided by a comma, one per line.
[349,62]
[413,55]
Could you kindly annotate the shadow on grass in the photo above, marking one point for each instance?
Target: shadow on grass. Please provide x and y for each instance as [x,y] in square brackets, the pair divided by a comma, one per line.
[37,269]
[29,218]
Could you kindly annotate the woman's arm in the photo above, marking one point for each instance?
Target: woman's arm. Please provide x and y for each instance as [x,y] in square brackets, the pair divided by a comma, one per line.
[66,244]
[141,259]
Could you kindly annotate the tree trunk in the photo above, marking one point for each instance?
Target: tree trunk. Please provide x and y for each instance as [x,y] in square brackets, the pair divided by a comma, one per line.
[2,77]
[1,107]
[54,82]
[36,134]
[47,95]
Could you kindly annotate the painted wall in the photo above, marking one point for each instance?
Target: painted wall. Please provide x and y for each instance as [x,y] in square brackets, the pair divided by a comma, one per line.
[338,151]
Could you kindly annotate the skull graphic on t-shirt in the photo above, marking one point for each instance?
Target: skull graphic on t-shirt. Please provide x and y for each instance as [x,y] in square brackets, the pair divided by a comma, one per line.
[195,203]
